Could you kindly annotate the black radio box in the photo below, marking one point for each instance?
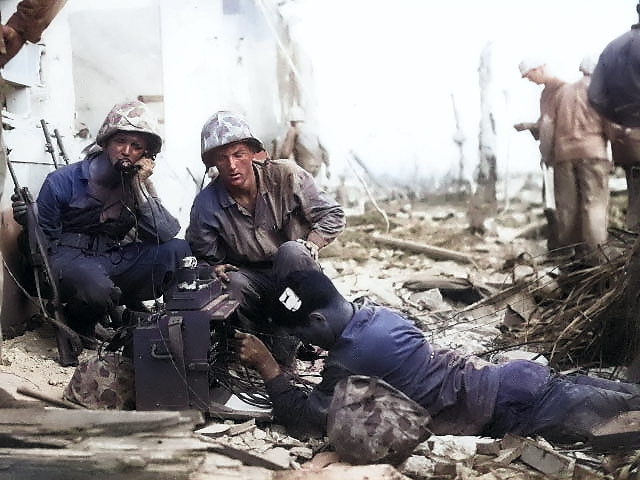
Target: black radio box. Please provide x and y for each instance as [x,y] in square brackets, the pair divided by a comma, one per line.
[172,351]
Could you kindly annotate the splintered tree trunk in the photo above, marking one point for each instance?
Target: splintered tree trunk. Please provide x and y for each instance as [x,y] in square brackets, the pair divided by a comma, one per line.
[483,202]
[459,139]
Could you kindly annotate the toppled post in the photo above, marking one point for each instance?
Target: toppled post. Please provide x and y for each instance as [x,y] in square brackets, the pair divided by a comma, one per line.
[436,253]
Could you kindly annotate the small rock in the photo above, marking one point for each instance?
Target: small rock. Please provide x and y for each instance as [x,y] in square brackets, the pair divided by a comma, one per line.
[417,467]
[302,452]
[279,456]
[260,434]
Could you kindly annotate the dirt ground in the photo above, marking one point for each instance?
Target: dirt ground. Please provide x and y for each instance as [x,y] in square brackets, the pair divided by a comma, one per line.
[359,266]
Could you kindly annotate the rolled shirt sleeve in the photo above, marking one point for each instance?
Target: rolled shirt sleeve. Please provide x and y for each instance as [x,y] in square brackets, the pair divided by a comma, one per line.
[325,215]
[32,17]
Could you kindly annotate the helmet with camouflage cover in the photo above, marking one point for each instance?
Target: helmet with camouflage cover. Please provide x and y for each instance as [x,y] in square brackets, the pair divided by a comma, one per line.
[103,381]
[369,421]
[134,117]
[224,128]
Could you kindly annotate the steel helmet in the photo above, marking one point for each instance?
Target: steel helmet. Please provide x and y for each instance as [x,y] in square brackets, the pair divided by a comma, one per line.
[132,116]
[370,421]
[224,128]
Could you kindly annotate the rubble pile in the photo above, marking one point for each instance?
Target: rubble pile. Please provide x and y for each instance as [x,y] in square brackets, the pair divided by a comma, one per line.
[487,306]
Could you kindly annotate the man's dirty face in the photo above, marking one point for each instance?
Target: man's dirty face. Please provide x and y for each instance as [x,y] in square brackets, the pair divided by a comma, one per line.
[234,163]
[126,148]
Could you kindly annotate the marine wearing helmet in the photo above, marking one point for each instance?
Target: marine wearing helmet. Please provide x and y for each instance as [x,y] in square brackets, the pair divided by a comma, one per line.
[224,128]
[134,117]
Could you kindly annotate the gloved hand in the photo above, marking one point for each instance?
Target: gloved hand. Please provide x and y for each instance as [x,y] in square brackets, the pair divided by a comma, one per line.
[20,210]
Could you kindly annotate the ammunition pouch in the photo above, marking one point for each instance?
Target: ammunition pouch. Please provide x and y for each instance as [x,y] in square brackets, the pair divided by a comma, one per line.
[96,244]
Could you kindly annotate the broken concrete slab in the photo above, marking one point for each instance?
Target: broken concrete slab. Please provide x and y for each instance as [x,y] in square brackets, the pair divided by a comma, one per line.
[541,457]
[490,447]
[508,455]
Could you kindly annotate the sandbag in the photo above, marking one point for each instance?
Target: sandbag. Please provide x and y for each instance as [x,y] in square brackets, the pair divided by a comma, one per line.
[103,381]
[369,421]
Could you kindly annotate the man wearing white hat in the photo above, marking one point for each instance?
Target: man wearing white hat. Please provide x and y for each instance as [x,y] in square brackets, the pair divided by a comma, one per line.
[535,70]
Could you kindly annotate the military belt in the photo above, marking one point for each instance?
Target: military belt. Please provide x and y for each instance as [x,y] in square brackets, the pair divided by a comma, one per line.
[88,243]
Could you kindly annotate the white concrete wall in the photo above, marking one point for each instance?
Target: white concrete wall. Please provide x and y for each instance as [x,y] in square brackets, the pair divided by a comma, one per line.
[50,98]
[213,60]
[193,57]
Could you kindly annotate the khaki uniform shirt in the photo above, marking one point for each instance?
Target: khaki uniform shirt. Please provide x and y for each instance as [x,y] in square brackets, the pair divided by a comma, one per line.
[289,206]
[546,124]
[579,130]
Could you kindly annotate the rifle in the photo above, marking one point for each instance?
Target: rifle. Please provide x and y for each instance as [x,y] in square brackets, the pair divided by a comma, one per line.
[63,152]
[67,340]
[48,144]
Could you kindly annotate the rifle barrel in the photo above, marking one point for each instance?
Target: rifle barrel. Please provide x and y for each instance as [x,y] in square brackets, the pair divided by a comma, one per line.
[13,175]
[63,152]
[48,144]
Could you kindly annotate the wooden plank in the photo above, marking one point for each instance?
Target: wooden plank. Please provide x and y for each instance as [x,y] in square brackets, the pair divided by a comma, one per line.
[38,421]
[222,412]
[436,253]
[248,458]
[48,399]
[74,464]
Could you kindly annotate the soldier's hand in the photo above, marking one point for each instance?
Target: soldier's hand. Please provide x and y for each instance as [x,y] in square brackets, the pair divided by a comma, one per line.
[20,210]
[253,353]
[222,269]
[145,165]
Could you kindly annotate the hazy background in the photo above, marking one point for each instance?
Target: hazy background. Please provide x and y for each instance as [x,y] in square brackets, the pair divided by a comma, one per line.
[385,73]
[379,77]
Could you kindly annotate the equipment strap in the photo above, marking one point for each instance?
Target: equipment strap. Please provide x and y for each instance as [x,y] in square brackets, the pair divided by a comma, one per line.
[176,344]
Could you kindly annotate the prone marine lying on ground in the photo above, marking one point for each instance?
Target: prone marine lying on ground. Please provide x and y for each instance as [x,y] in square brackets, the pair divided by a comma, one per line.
[462,395]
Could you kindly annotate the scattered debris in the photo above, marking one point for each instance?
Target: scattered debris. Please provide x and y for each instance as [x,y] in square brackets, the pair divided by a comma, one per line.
[502,288]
